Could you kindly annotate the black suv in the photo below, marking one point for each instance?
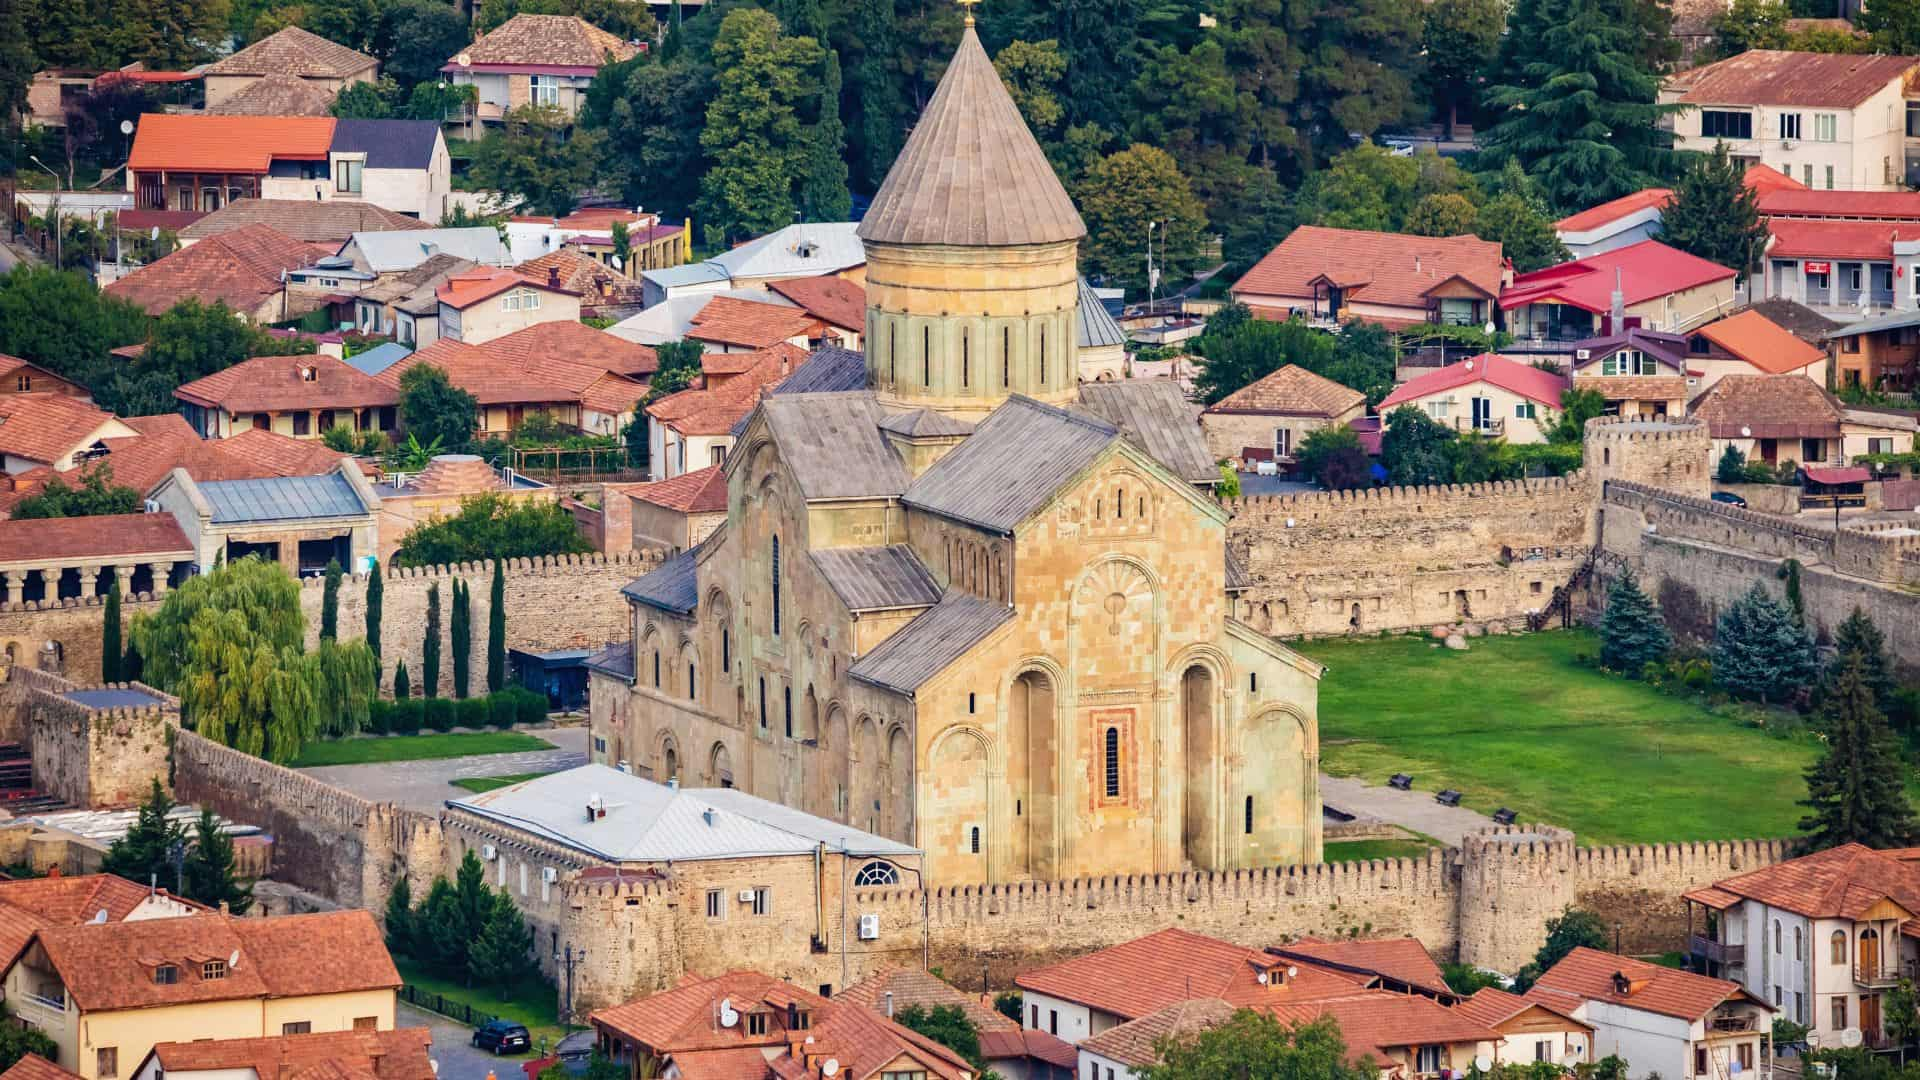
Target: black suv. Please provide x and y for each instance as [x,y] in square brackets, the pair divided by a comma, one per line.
[501,1037]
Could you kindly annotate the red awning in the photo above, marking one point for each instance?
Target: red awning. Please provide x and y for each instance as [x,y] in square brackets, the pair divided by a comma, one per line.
[1857,474]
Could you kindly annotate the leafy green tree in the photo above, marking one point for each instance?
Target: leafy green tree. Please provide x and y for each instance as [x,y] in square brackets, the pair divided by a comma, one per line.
[167,35]
[190,341]
[679,364]
[1443,215]
[399,917]
[430,646]
[1368,187]
[348,679]
[1578,110]
[1257,1044]
[1856,792]
[366,100]
[1714,214]
[503,947]
[1900,1014]
[539,155]
[1750,24]
[1332,457]
[1462,37]
[652,109]
[1413,449]
[110,635]
[330,602]
[58,320]
[491,526]
[823,190]
[1032,72]
[1828,39]
[497,629]
[1467,980]
[1251,218]
[1574,928]
[1577,406]
[1760,650]
[1894,26]
[1733,466]
[1516,218]
[96,494]
[1361,58]
[17,1040]
[145,853]
[753,136]
[1857,636]
[376,599]
[1240,352]
[211,876]
[882,111]
[436,411]
[415,37]
[460,635]
[947,1025]
[1632,633]
[1121,194]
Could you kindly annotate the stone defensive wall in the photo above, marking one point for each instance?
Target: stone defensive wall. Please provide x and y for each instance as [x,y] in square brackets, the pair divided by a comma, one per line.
[91,756]
[553,602]
[1408,557]
[1486,902]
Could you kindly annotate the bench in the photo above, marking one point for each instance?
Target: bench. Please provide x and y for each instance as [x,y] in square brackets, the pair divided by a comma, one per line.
[1401,782]
[1504,816]
[1448,797]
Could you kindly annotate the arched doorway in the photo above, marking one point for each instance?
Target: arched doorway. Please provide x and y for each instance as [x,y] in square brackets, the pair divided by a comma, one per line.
[720,766]
[834,743]
[957,837]
[896,810]
[1198,762]
[1032,764]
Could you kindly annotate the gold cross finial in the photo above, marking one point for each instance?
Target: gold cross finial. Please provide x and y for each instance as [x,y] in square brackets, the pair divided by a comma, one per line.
[967,6]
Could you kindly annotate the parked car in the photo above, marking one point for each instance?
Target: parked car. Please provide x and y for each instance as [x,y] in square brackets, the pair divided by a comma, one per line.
[501,1037]
[1730,499]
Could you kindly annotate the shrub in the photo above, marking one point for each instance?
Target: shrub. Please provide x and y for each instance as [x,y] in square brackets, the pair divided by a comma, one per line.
[502,705]
[473,712]
[379,716]
[532,707]
[406,716]
[440,713]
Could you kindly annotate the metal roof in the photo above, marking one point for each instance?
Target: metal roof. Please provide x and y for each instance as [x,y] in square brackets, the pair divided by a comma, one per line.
[379,358]
[113,698]
[925,423]
[1238,580]
[1155,415]
[672,586]
[668,277]
[388,144]
[616,660]
[828,369]
[808,249]
[877,578]
[1011,465]
[387,252]
[1898,320]
[647,822]
[282,498]
[1097,325]
[672,318]
[926,646]
[832,446]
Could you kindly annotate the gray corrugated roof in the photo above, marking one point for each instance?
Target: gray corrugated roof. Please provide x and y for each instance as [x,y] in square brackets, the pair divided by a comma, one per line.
[925,423]
[668,277]
[616,660]
[379,358]
[877,578]
[832,446]
[388,144]
[924,647]
[647,822]
[283,498]
[672,586]
[1011,465]
[1896,320]
[829,369]
[387,252]
[1238,580]
[1156,417]
[803,250]
[1097,325]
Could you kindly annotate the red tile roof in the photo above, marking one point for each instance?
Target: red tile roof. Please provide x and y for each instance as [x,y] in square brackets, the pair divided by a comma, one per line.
[1403,959]
[703,491]
[47,427]
[1801,238]
[234,144]
[469,287]
[1752,337]
[703,411]
[1383,268]
[730,320]
[400,1054]
[276,383]
[1511,375]
[1765,179]
[1147,974]
[27,904]
[1291,391]
[274,454]
[293,51]
[1840,882]
[577,343]
[906,986]
[241,268]
[597,284]
[1608,212]
[1493,1006]
[1375,1022]
[512,370]
[35,1067]
[1648,270]
[107,535]
[1780,77]
[12,367]
[142,461]
[1136,1043]
[542,41]
[1588,975]
[834,300]
[1863,205]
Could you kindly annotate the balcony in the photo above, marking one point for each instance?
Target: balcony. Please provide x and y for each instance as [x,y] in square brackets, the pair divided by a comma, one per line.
[1718,952]
[1732,1022]
[51,1004]
[1881,974]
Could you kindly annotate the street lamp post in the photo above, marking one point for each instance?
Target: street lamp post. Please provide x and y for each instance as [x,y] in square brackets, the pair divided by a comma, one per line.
[53,212]
[569,957]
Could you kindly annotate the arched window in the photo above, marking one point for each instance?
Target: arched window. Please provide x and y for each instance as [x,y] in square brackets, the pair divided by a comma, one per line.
[1113,763]
[1006,357]
[1249,815]
[656,669]
[673,764]
[690,693]
[1838,948]
[776,585]
[786,703]
[973,839]
[763,703]
[966,362]
[1776,937]
[926,356]
[1119,503]
[875,874]
[1799,945]
[726,650]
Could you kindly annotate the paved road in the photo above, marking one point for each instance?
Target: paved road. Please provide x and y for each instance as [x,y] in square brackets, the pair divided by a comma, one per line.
[454,1051]
[1415,809]
[427,785]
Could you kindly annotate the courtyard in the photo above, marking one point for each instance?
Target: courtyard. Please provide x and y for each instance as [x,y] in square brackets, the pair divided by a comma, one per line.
[1515,721]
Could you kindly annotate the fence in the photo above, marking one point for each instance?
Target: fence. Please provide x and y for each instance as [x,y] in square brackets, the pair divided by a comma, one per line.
[445,1006]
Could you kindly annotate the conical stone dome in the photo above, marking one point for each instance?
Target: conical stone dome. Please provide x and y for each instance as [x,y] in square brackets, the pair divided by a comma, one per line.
[971,174]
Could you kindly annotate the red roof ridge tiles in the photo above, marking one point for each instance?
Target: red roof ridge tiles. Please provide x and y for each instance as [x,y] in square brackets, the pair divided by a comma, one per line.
[1588,975]
[1511,375]
[702,491]
[469,287]
[835,300]
[232,144]
[45,427]
[543,41]
[1762,343]
[1397,269]
[732,320]
[1831,883]
[240,268]
[99,536]
[1291,391]
[296,381]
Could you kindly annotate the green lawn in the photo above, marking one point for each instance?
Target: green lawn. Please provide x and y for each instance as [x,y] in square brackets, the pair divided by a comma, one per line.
[533,1003]
[1362,850]
[488,783]
[1515,722]
[416,747]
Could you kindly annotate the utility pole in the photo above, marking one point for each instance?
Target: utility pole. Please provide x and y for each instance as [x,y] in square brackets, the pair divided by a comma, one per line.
[568,957]
[1152,280]
[53,214]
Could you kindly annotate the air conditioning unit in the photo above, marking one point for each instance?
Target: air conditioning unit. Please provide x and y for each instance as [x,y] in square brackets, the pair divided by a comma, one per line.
[549,875]
[746,896]
[489,852]
[1583,354]
[869,928]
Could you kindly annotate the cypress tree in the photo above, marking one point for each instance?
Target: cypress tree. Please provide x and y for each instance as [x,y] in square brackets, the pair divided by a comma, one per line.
[501,946]
[1858,636]
[110,636]
[879,94]
[823,190]
[1760,650]
[330,603]
[399,918]
[430,648]
[497,631]
[401,688]
[1856,792]
[131,666]
[1632,634]
[461,633]
[376,589]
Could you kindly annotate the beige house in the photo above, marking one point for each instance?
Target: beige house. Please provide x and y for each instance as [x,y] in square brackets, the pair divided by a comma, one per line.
[1831,121]
[674,514]
[52,430]
[479,305]
[1487,395]
[1276,412]
[1530,1031]
[106,994]
[1772,419]
[539,60]
[301,396]
[1646,285]
[301,522]
[1395,279]
[290,52]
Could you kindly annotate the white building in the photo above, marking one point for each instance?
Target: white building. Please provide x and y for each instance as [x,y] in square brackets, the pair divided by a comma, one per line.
[1661,1020]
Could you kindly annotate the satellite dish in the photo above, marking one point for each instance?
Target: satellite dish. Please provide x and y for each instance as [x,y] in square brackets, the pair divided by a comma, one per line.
[728,1016]
[1850,1038]
[1483,1063]
[434,1064]
[1292,971]
[233,960]
[829,1067]
[1746,432]
[154,234]
[615,260]
[126,127]
[100,917]
[465,59]
[1262,978]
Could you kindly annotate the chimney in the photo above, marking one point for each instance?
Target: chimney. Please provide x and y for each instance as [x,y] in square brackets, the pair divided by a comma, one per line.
[553,277]
[1416,263]
[889,1004]
[1617,310]
[223,908]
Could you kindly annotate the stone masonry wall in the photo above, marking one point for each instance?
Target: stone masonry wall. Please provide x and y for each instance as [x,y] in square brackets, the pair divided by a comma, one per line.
[93,757]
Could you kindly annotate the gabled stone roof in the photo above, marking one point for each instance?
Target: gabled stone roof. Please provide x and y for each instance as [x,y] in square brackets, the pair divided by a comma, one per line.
[294,51]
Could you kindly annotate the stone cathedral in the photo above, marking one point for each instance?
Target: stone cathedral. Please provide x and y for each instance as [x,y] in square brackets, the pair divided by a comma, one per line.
[960,599]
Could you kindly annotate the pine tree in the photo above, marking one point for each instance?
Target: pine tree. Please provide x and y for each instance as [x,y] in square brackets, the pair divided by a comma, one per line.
[399,918]
[430,648]
[460,634]
[110,636]
[1733,466]
[376,589]
[1715,214]
[330,603]
[753,133]
[209,869]
[1857,636]
[497,631]
[1632,634]
[401,688]
[144,853]
[499,957]
[441,941]
[823,190]
[1760,650]
[1856,792]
